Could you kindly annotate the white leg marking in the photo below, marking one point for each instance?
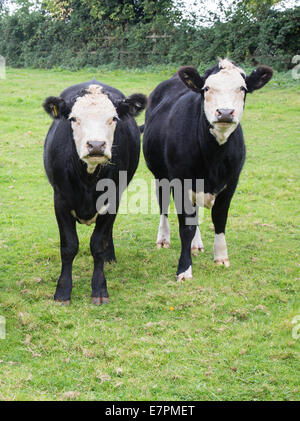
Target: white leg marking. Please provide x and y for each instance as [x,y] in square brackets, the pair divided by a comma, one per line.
[220,250]
[185,275]
[197,243]
[163,235]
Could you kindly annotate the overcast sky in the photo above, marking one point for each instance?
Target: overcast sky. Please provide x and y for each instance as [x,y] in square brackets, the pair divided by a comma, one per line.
[212,6]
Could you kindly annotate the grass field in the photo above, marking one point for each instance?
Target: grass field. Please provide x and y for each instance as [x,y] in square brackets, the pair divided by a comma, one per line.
[224,335]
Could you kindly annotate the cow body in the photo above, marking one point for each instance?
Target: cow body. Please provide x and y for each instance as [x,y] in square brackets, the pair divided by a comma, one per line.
[186,138]
[74,178]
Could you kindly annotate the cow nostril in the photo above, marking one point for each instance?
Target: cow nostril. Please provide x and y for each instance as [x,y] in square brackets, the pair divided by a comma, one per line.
[225,115]
[95,147]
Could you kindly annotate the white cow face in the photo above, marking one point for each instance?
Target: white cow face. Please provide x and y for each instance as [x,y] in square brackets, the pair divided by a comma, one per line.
[224,96]
[224,89]
[93,120]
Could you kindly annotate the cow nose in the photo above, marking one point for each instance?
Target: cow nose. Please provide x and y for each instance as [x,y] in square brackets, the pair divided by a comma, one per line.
[96,148]
[224,115]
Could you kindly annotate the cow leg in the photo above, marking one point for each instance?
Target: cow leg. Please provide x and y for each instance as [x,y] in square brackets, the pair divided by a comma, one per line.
[197,243]
[68,249]
[186,215]
[187,233]
[98,243]
[219,218]
[163,235]
[109,253]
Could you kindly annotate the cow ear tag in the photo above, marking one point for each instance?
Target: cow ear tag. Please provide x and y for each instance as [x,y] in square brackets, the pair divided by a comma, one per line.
[191,83]
[55,110]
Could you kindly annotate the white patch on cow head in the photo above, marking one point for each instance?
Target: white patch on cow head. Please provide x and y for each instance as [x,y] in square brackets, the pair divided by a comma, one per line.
[224,95]
[93,119]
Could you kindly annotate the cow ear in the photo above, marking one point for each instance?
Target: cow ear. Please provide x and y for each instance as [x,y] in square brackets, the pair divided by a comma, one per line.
[56,107]
[132,105]
[191,78]
[258,78]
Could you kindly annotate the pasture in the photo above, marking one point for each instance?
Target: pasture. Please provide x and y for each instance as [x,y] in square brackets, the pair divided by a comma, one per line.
[226,334]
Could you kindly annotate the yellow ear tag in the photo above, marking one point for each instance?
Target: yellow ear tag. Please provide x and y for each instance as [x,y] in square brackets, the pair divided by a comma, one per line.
[55,110]
[191,83]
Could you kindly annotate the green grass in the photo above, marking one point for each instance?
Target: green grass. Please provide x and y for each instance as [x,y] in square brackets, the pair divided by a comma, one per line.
[224,335]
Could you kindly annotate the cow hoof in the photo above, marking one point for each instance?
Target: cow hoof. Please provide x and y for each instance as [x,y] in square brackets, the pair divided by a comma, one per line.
[222,262]
[105,300]
[64,303]
[163,243]
[197,243]
[195,250]
[185,275]
[98,301]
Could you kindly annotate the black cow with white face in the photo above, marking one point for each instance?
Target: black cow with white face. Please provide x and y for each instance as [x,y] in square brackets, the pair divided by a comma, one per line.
[93,138]
[192,131]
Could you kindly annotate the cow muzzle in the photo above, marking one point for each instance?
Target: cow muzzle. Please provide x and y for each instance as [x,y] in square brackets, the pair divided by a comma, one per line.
[96,148]
[224,115]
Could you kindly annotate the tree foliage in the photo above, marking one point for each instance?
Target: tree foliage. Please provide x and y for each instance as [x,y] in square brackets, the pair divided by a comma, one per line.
[135,33]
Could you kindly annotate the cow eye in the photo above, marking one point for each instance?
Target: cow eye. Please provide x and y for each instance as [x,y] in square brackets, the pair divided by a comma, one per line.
[242,88]
[206,89]
[112,119]
[75,120]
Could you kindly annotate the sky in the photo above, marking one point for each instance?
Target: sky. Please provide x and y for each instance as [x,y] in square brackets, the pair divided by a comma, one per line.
[212,6]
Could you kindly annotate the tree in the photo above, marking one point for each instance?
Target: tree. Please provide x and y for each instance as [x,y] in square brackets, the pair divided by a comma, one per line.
[116,11]
[59,9]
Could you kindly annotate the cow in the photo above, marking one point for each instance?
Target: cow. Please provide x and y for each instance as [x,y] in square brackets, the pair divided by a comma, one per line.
[93,138]
[192,132]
